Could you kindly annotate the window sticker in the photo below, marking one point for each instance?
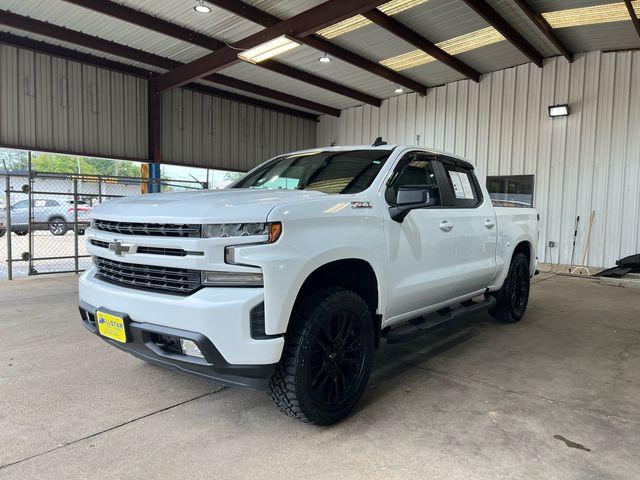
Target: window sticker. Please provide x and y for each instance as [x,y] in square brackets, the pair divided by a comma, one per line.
[466,185]
[457,184]
[461,185]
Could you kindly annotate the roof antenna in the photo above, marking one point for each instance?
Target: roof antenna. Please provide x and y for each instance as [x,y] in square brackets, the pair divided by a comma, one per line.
[378,141]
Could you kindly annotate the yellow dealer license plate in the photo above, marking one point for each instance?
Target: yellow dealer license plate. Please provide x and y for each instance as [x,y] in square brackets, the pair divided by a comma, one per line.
[111,326]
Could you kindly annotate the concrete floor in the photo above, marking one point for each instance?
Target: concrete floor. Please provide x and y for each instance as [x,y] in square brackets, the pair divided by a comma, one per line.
[556,396]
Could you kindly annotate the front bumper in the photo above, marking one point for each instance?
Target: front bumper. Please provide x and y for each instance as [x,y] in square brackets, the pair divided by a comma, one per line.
[217,319]
[143,339]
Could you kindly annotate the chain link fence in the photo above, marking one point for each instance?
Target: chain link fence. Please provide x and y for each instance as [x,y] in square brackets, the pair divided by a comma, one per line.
[43,217]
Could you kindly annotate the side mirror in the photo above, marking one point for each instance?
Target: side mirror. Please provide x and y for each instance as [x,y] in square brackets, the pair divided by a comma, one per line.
[410,197]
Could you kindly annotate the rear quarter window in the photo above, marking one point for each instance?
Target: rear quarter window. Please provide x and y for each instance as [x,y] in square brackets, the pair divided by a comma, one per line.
[464,185]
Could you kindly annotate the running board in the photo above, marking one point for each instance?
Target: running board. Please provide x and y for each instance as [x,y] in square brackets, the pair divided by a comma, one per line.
[420,325]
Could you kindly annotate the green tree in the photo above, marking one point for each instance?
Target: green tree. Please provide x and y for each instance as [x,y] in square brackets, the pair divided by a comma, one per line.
[232,176]
[59,163]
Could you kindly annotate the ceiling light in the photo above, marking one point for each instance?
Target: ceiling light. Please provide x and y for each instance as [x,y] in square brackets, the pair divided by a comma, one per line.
[201,7]
[398,89]
[325,58]
[573,17]
[268,49]
[558,110]
[353,23]
[453,46]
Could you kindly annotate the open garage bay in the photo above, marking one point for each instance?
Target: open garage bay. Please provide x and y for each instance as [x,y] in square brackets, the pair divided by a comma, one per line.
[555,396]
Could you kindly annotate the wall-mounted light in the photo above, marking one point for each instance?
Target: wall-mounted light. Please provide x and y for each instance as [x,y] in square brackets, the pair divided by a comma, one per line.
[269,49]
[398,89]
[325,59]
[200,7]
[559,110]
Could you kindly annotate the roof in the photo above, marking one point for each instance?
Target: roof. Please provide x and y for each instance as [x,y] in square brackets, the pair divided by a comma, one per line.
[460,28]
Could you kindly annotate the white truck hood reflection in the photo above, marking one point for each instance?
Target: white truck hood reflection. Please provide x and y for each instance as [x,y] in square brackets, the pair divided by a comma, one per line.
[239,205]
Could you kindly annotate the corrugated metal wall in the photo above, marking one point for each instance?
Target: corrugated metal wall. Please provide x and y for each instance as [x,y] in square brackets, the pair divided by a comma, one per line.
[207,131]
[587,161]
[49,103]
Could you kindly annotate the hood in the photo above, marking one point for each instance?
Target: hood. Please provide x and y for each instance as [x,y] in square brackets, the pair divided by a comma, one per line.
[202,206]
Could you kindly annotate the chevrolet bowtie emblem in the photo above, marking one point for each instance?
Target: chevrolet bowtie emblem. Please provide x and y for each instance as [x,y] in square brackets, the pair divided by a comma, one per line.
[121,249]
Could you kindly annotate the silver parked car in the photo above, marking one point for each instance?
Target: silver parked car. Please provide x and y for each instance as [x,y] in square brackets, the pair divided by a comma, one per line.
[55,215]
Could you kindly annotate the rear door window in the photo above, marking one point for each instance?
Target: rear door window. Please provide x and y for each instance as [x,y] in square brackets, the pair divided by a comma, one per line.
[463,185]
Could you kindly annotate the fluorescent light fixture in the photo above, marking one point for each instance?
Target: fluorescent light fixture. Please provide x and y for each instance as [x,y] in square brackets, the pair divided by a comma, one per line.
[353,23]
[268,49]
[573,17]
[325,59]
[398,89]
[201,7]
[558,110]
[453,46]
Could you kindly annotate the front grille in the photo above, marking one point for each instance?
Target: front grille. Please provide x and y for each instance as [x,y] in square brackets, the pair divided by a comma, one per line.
[148,229]
[100,243]
[171,252]
[148,277]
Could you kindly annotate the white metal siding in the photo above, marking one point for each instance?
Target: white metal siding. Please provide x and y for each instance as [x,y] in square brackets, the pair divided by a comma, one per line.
[53,104]
[201,130]
[587,161]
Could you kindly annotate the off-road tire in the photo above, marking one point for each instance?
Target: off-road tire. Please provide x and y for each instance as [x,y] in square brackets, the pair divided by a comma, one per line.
[310,342]
[513,297]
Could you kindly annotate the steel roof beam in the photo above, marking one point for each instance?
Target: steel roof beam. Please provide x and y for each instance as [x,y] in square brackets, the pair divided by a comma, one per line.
[301,25]
[492,17]
[124,51]
[156,24]
[545,29]
[251,13]
[74,55]
[632,14]
[405,33]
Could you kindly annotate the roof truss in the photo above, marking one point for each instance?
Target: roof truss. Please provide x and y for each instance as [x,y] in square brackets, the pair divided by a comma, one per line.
[159,25]
[492,17]
[249,12]
[402,31]
[544,27]
[300,25]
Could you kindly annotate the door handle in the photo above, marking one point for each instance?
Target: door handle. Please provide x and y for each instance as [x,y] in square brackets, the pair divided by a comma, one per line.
[489,224]
[446,226]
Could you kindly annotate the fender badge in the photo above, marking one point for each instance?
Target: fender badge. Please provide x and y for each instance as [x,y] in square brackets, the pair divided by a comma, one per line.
[361,204]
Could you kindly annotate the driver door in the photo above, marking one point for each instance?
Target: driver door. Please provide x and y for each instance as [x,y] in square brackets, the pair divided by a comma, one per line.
[420,248]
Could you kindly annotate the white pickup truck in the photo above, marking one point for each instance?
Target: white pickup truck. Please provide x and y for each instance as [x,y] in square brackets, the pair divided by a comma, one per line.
[288,279]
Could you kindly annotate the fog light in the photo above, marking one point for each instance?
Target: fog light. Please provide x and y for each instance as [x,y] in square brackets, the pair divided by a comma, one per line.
[190,348]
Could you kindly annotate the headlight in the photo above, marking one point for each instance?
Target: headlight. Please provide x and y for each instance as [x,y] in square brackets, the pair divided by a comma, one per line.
[220,230]
[232,279]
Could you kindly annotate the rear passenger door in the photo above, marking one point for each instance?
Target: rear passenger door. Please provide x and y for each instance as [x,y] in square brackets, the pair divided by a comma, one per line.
[473,230]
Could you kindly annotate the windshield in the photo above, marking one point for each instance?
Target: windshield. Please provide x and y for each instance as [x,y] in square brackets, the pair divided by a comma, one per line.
[328,172]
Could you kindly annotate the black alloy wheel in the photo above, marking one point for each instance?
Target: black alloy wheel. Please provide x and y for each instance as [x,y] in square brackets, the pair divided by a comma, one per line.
[337,359]
[512,299]
[327,357]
